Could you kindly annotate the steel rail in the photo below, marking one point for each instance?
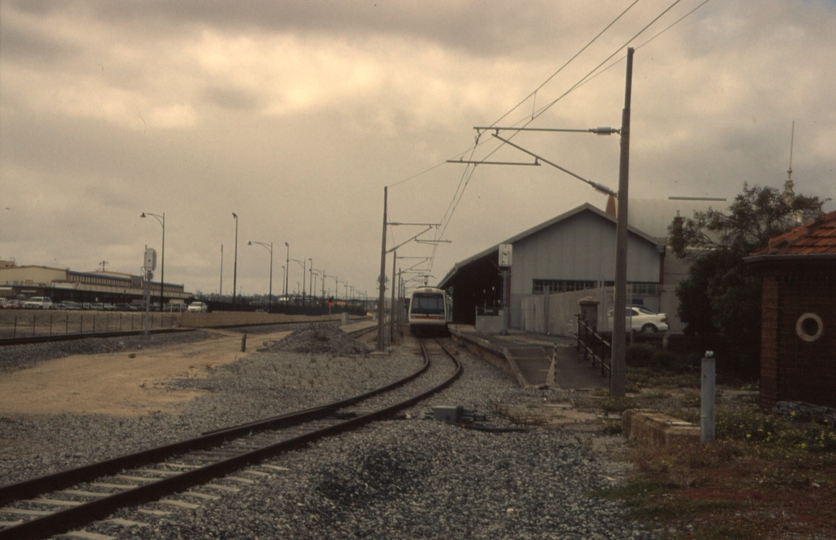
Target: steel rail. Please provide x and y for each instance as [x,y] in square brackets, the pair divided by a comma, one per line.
[65,520]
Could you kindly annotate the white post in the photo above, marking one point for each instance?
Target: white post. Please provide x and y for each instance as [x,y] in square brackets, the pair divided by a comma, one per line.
[707,398]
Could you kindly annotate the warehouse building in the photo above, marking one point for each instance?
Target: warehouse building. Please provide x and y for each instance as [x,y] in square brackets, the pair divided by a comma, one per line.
[64,284]
[572,253]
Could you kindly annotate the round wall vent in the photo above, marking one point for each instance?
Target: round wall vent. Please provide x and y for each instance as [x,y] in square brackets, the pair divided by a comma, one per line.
[809,327]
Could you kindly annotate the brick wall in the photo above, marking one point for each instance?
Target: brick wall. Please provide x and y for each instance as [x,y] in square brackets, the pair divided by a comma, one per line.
[793,369]
[769,342]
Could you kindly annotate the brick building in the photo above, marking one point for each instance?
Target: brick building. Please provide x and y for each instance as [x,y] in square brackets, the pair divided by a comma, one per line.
[798,340]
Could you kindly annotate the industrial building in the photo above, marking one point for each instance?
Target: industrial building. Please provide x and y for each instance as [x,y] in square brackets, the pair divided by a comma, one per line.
[570,257]
[98,286]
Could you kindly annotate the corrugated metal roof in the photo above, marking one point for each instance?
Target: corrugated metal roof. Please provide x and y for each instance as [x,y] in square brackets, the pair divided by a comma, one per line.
[817,237]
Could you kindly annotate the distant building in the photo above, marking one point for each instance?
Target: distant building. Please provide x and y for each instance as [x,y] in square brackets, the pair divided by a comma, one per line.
[64,284]
[572,252]
[798,314]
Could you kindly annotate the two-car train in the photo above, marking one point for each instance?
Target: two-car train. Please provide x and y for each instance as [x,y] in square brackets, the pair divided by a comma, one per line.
[430,310]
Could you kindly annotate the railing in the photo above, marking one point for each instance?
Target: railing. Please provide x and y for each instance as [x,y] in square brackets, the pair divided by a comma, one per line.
[594,347]
[50,323]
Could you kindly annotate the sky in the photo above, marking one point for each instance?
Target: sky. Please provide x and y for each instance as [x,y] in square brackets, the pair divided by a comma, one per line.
[297,115]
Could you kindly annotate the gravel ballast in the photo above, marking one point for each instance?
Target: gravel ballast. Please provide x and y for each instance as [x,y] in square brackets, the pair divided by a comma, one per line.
[404,478]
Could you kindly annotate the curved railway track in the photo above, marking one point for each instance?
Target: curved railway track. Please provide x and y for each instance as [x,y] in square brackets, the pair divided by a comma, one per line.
[57,503]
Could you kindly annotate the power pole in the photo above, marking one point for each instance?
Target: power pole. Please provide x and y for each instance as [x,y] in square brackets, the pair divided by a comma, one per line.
[381,308]
[619,332]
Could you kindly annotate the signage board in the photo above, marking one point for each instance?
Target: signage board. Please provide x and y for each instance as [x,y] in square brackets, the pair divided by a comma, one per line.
[505,251]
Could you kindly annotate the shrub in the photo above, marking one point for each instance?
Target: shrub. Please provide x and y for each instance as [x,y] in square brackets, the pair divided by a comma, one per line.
[639,355]
[661,360]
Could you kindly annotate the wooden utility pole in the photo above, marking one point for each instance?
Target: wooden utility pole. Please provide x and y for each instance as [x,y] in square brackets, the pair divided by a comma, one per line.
[619,332]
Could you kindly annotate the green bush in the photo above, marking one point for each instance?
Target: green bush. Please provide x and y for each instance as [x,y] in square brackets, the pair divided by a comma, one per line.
[662,360]
[639,355]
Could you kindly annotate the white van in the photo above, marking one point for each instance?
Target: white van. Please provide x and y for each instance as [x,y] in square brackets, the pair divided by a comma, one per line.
[38,302]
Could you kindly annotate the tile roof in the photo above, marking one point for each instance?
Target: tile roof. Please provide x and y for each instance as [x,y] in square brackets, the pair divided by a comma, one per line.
[817,237]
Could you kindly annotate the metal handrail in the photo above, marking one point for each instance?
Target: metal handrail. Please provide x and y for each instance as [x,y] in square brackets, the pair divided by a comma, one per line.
[594,346]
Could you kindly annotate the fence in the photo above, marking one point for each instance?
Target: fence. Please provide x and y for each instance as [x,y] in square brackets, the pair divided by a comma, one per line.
[40,323]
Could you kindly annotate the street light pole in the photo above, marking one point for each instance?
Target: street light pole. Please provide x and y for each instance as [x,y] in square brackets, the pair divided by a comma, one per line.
[161,220]
[235,265]
[310,281]
[268,247]
[304,271]
[286,270]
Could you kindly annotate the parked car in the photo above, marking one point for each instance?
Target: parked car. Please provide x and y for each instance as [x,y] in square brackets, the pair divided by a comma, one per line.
[641,318]
[199,307]
[68,305]
[38,302]
[12,304]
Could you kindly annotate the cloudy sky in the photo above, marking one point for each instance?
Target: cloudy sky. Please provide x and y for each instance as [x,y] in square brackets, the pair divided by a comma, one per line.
[296,114]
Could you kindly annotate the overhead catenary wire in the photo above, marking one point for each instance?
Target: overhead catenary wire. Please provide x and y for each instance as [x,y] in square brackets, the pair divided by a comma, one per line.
[470,169]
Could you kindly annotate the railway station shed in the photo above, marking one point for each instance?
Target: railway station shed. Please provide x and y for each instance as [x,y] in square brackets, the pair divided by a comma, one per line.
[574,251]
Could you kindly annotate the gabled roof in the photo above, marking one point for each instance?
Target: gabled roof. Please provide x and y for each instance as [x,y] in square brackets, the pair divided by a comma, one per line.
[816,238]
[586,207]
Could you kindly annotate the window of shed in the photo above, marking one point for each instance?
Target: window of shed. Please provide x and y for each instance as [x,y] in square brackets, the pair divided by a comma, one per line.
[809,327]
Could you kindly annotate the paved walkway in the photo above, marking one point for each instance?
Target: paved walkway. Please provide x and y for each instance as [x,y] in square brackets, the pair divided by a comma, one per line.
[537,359]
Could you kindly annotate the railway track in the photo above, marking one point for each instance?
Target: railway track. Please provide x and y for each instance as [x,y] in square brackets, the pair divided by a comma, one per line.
[65,501]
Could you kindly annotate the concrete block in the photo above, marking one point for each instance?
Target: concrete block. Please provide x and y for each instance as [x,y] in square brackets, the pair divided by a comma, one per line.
[652,428]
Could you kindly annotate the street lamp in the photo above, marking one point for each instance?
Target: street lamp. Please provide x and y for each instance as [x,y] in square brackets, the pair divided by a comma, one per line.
[304,271]
[235,265]
[161,220]
[286,271]
[268,247]
[310,282]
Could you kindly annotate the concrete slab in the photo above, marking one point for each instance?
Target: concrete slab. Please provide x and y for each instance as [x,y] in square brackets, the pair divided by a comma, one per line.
[535,360]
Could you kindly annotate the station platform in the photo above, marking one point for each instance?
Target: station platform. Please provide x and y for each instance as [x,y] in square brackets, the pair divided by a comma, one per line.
[536,360]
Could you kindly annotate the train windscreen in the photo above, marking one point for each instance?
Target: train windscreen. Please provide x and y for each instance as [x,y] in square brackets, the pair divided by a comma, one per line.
[427,304]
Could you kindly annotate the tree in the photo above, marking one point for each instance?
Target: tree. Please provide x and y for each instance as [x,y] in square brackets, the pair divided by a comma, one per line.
[722,295]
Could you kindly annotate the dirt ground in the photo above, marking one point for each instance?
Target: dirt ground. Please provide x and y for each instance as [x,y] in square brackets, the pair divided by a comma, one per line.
[127,383]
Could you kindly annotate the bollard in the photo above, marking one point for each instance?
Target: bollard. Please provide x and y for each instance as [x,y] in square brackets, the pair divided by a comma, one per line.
[244,343]
[707,398]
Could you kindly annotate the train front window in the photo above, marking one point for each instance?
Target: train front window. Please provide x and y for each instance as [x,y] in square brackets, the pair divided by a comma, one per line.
[427,304]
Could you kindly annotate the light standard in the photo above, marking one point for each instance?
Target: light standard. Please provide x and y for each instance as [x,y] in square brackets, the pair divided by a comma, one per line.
[161,220]
[268,247]
[304,271]
[235,266]
[286,270]
[310,282]
[311,285]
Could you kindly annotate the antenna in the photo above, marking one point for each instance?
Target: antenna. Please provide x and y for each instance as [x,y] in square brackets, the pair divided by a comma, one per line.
[792,140]
[788,193]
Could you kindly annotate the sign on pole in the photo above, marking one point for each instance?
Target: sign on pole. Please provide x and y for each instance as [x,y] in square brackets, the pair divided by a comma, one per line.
[505,252]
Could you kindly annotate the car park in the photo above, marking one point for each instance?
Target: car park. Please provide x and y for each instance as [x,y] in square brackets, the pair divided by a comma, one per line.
[38,302]
[199,307]
[642,319]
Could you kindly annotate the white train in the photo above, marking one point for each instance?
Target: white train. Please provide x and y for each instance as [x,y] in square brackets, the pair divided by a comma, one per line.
[430,309]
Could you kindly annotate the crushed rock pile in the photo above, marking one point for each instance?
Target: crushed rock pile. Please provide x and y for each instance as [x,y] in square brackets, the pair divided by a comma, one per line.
[320,339]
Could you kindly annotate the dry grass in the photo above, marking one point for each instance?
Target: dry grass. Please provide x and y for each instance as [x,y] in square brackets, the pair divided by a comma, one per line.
[732,489]
[764,478]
